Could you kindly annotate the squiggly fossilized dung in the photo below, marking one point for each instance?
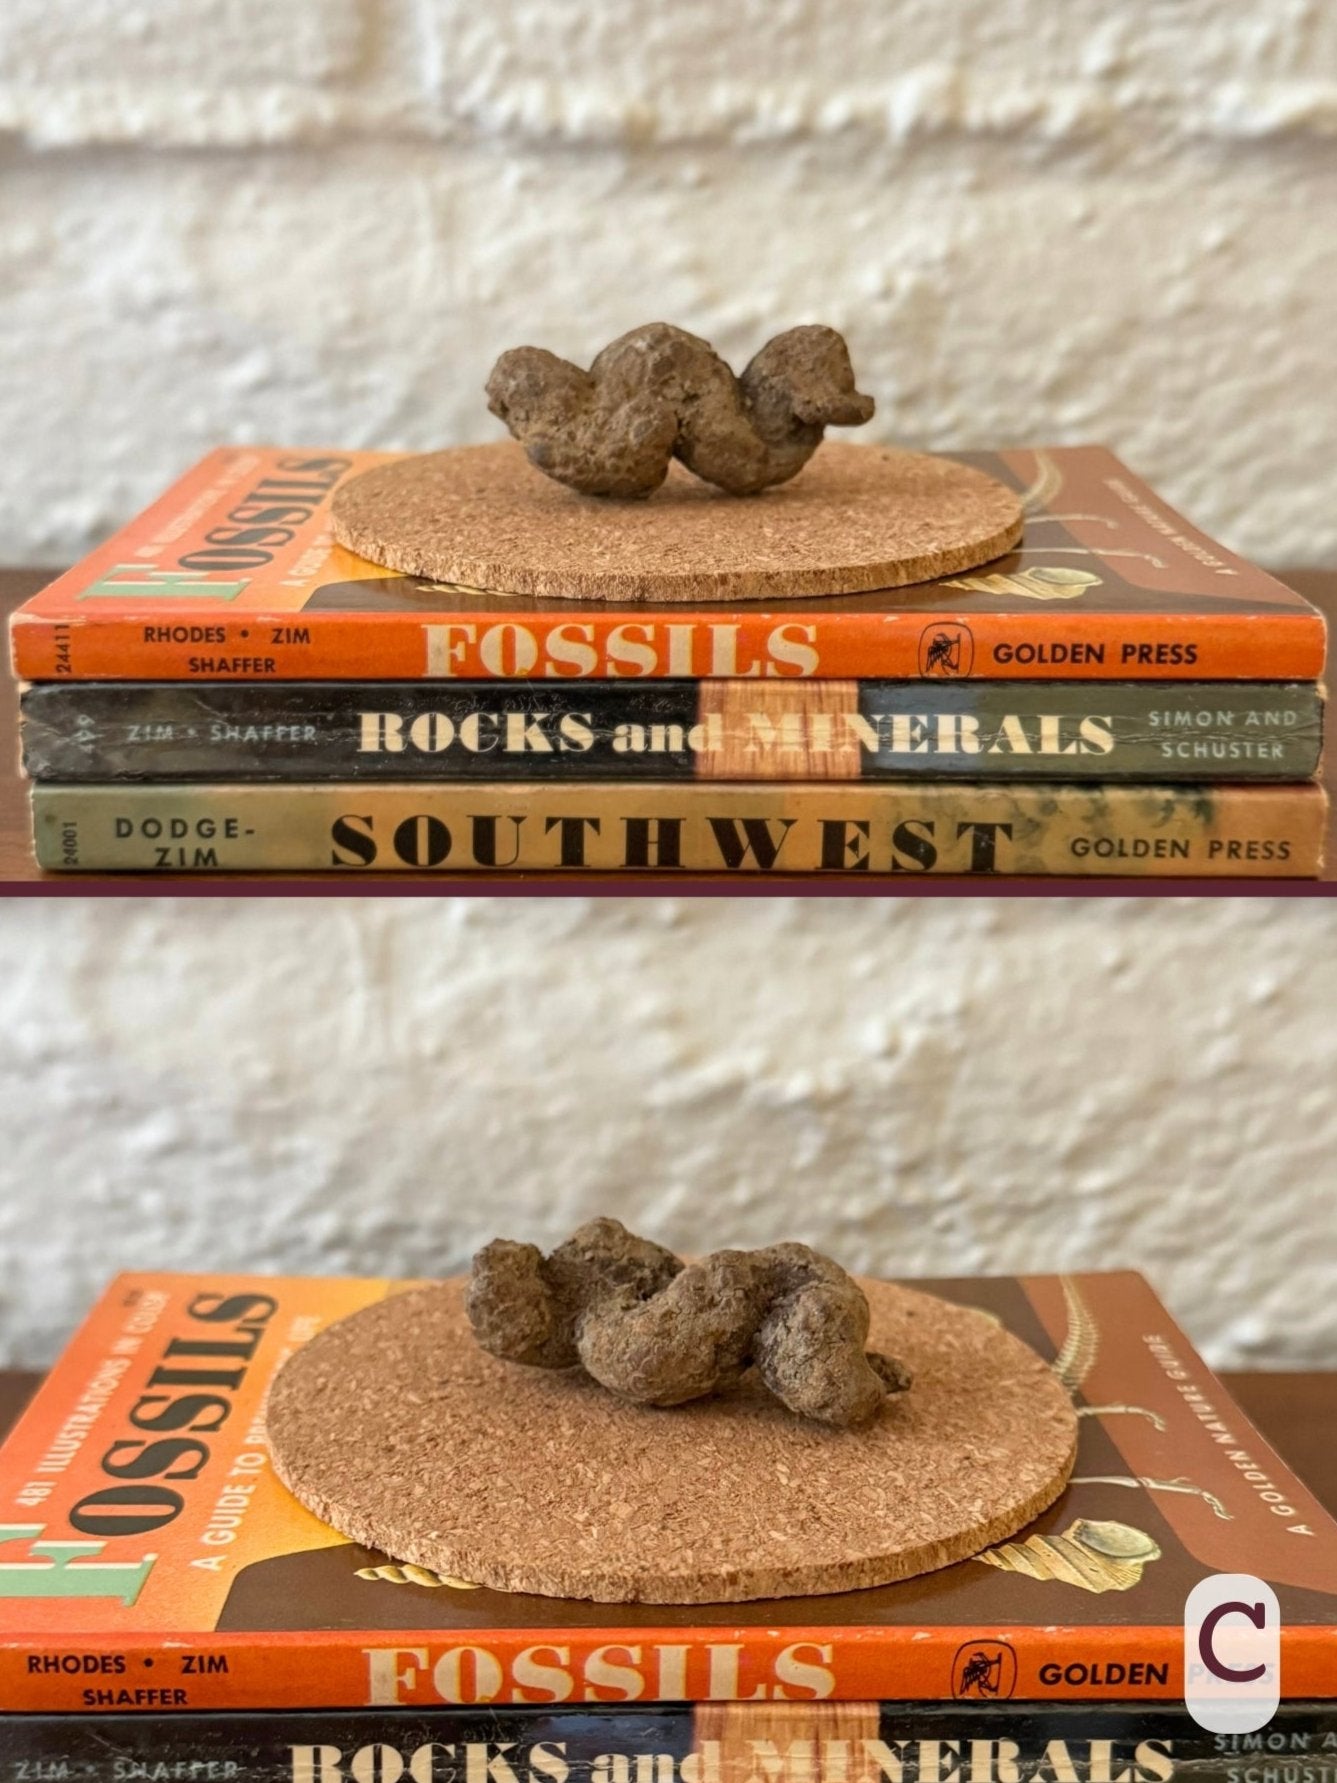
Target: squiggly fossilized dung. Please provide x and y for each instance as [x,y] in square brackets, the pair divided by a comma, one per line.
[661,1332]
[660,393]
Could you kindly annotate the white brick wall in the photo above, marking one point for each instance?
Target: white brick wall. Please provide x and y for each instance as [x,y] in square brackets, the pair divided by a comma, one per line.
[926,1088]
[240,219]
[209,46]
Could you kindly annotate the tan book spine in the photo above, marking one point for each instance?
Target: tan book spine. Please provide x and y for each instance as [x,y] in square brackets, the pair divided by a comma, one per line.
[902,829]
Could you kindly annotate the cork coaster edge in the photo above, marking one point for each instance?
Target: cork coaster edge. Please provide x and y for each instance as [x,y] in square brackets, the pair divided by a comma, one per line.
[621,1582]
[394,540]
[625,1586]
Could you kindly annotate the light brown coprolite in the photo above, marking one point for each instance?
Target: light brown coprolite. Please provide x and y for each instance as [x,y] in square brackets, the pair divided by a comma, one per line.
[855,518]
[399,1431]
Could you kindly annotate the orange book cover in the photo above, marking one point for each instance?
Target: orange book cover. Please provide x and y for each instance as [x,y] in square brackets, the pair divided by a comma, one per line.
[150,1559]
[232,575]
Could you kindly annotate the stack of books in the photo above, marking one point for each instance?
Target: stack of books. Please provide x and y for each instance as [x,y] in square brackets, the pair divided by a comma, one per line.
[221,688]
[170,1614]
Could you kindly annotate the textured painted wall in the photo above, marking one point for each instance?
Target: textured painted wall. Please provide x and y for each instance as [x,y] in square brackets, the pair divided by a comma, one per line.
[249,219]
[924,1088]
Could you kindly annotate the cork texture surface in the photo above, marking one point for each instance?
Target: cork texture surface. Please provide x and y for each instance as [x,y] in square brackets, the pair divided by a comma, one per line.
[395,1428]
[855,518]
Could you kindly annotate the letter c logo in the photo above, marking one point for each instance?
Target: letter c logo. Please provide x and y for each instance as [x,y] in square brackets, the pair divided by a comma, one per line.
[1257,1614]
[1232,1653]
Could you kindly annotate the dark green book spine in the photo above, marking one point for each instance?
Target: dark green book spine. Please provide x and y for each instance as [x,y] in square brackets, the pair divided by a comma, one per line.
[672,730]
[956,1742]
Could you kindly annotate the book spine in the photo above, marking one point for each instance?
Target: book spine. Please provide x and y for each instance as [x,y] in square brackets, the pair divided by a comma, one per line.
[925,827]
[672,730]
[421,1670]
[984,1742]
[814,643]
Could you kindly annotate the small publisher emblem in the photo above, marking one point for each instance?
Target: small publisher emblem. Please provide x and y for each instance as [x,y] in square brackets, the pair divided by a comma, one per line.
[984,1668]
[946,651]
[1232,1653]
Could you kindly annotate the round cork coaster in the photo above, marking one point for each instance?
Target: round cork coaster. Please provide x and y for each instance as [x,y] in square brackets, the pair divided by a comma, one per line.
[399,1431]
[855,518]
